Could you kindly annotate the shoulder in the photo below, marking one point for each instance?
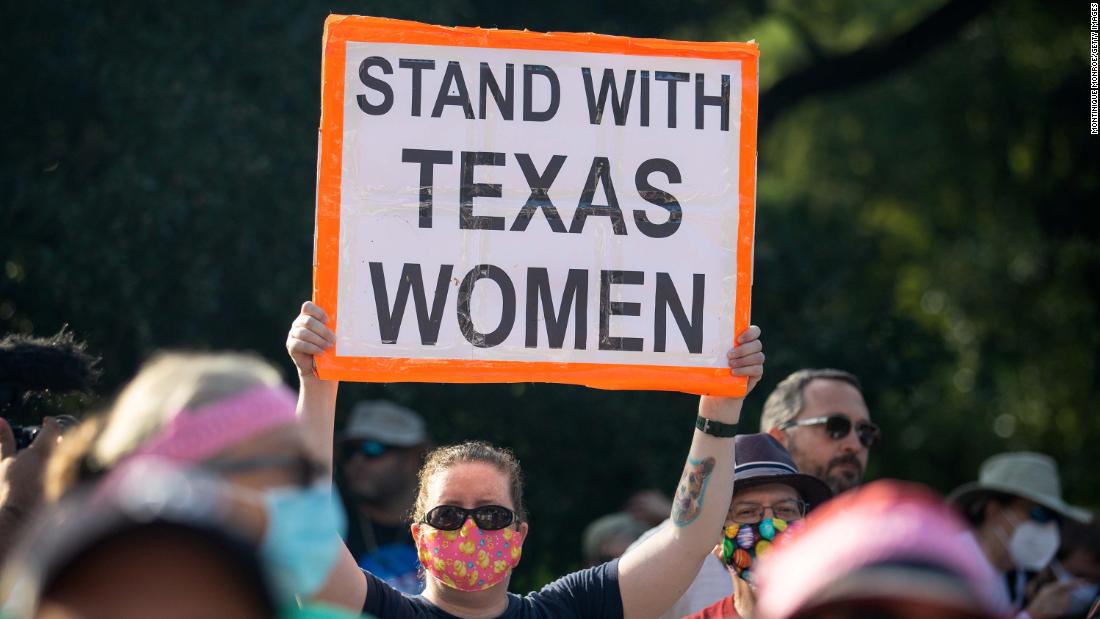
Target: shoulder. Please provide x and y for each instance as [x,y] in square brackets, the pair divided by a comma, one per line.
[385,601]
[593,592]
[722,609]
[711,584]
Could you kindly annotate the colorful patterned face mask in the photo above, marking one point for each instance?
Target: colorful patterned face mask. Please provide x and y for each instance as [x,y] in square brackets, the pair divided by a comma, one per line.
[469,559]
[744,545]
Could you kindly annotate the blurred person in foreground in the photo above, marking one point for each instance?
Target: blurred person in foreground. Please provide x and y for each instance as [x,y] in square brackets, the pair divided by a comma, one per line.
[150,541]
[1015,508]
[469,522]
[1078,559]
[769,496]
[152,545]
[228,415]
[886,550]
[820,417]
[381,449]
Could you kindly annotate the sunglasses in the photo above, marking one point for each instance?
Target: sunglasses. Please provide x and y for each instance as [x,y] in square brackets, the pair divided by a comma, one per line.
[365,448]
[837,426]
[452,517]
[1042,515]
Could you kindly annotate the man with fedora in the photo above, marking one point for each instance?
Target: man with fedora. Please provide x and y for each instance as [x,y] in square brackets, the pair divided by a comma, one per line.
[768,493]
[1015,509]
[380,451]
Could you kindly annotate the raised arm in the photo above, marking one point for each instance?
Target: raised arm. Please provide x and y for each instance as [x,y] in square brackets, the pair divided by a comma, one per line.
[316,398]
[346,586]
[656,573]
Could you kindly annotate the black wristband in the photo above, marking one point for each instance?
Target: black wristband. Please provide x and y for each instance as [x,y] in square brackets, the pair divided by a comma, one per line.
[715,428]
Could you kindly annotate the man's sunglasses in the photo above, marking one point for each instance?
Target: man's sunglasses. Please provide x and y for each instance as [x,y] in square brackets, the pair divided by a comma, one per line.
[366,448]
[452,517]
[837,426]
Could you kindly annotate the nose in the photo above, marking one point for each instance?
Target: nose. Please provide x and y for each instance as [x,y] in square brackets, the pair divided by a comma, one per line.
[850,443]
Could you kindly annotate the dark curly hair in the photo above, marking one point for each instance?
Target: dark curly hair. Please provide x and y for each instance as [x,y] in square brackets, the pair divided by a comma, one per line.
[35,372]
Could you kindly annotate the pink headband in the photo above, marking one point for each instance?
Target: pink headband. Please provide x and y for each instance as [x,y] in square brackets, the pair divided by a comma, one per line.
[195,435]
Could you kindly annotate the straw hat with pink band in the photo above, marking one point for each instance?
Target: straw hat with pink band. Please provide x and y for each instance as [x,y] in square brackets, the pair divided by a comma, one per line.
[301,537]
[194,435]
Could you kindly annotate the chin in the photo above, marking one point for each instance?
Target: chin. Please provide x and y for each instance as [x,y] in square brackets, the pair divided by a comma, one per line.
[842,484]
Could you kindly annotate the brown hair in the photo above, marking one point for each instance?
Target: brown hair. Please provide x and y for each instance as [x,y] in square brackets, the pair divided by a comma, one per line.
[443,458]
[67,467]
[786,400]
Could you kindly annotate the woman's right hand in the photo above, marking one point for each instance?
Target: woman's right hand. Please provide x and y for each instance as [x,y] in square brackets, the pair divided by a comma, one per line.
[308,337]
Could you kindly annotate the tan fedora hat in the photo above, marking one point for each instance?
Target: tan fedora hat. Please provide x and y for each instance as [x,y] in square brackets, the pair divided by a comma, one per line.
[1025,474]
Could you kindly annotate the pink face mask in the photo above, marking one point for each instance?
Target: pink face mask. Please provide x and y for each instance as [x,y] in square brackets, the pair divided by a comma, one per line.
[469,559]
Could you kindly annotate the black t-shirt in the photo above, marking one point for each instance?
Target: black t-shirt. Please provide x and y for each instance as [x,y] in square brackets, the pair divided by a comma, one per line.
[589,594]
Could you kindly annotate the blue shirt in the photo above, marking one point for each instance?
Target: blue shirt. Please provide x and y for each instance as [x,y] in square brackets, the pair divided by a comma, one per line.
[592,594]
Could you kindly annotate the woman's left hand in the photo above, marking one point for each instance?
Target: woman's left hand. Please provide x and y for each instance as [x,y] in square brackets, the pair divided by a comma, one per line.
[747,357]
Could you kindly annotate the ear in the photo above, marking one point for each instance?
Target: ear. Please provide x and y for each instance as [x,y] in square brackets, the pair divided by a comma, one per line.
[523,529]
[779,435]
[415,529]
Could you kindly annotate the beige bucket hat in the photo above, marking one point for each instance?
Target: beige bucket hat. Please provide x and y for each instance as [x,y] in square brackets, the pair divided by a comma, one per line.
[1025,474]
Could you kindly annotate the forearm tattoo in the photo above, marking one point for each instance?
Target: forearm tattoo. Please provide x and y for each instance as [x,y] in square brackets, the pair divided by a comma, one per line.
[688,503]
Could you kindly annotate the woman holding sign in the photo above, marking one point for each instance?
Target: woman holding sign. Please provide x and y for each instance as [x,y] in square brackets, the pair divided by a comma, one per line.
[469,522]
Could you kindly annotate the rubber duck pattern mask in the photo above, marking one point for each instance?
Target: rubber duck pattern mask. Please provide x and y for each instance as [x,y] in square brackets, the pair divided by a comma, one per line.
[469,559]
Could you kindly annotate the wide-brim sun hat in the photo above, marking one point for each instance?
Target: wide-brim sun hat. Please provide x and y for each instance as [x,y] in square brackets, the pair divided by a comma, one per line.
[761,460]
[1029,475]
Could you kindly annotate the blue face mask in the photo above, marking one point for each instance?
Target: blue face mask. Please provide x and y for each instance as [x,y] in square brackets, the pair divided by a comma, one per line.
[302,540]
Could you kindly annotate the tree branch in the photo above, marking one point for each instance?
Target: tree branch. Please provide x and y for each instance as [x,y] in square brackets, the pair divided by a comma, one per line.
[876,60]
[809,41]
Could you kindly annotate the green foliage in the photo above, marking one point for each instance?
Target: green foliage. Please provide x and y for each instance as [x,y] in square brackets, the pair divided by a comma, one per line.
[930,231]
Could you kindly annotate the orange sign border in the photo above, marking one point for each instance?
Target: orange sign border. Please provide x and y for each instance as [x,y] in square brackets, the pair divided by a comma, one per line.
[340,29]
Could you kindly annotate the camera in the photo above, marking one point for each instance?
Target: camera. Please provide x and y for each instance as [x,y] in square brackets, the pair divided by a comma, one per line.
[25,435]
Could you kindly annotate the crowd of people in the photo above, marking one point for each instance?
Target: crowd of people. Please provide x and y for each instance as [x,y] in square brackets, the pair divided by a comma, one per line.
[207,489]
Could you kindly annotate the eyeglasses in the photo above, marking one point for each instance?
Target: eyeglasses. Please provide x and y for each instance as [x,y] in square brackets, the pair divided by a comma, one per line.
[367,448]
[452,517]
[837,426]
[745,512]
[302,470]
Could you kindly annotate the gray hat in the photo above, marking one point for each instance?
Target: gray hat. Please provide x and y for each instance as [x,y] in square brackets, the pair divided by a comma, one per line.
[385,422]
[1025,474]
[604,529]
[759,459]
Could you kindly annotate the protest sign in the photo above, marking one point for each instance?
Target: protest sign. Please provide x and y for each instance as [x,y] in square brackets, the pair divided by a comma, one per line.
[501,206]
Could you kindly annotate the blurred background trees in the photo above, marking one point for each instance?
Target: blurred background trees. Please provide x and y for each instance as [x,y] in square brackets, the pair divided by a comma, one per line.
[924,219]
